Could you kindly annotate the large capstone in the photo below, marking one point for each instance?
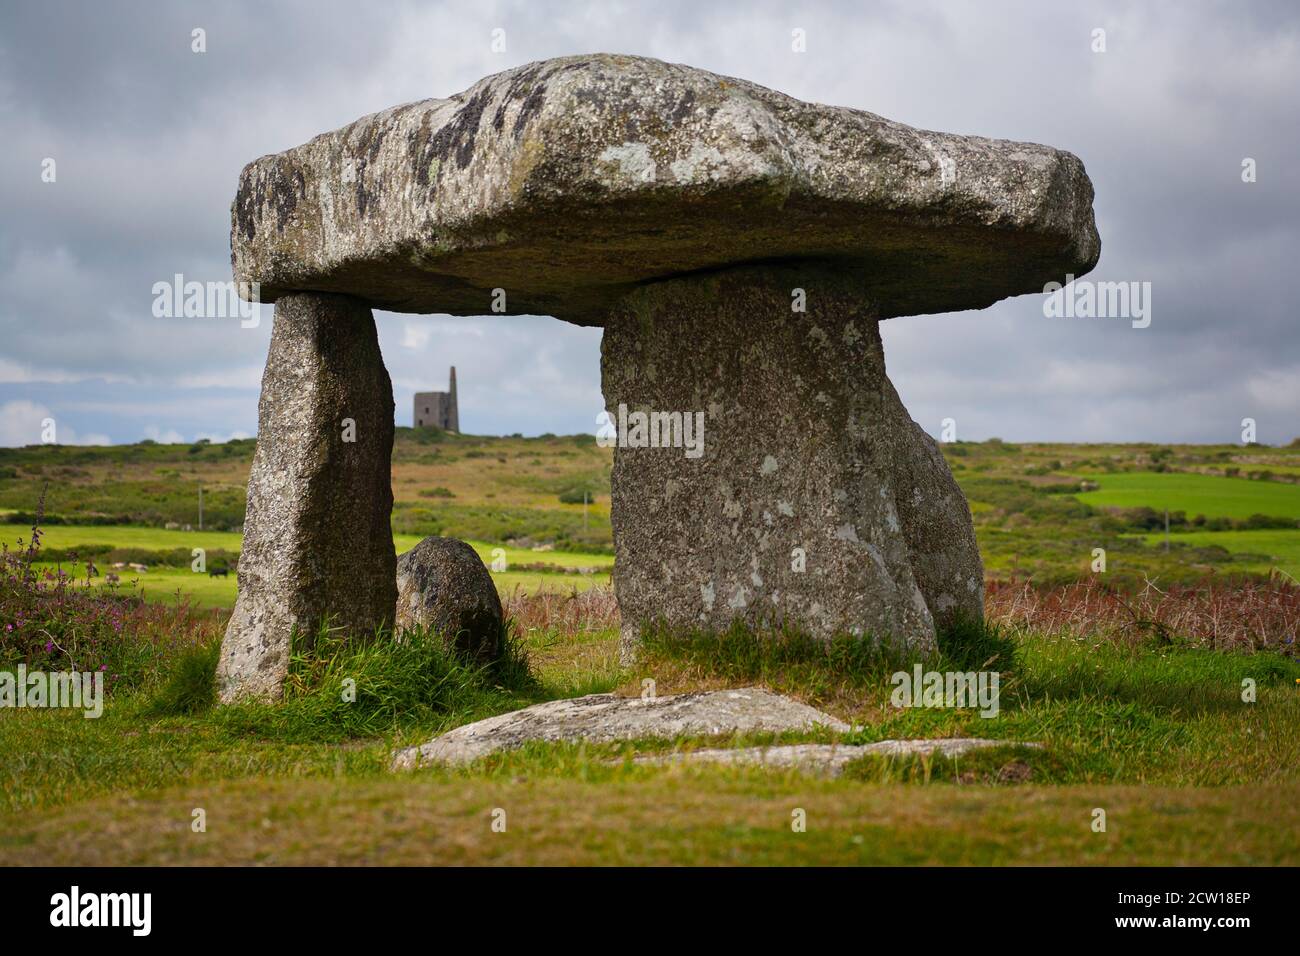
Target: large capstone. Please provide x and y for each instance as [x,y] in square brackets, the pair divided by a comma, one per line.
[317,541]
[766,472]
[566,182]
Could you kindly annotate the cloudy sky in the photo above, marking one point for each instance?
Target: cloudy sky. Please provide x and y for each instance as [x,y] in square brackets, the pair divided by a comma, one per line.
[148,138]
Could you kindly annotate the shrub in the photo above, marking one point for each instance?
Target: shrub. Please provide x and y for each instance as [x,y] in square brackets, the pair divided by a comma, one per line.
[1213,612]
[53,621]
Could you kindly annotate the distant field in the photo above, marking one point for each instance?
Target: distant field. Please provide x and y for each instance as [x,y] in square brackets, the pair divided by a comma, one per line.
[1208,495]
[161,539]
[1282,547]
[476,488]
[489,491]
[162,583]
[64,536]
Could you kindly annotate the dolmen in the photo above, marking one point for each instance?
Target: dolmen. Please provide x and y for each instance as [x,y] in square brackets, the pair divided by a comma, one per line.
[739,248]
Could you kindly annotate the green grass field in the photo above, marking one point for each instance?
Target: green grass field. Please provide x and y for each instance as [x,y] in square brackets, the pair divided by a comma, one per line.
[127,536]
[1281,549]
[1148,723]
[160,583]
[165,584]
[1209,495]
[161,539]
[1160,739]
[504,493]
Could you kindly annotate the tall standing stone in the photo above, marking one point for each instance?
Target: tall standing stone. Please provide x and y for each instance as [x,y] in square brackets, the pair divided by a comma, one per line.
[797,504]
[317,535]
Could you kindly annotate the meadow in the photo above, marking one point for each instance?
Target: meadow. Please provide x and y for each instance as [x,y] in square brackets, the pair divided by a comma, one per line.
[169,556]
[1213,496]
[1154,732]
[1164,690]
[1040,510]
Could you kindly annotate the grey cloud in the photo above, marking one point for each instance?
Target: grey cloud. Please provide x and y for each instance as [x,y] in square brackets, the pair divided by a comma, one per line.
[149,140]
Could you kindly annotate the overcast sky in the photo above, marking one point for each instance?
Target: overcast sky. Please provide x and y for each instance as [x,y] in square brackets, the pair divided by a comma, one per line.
[149,137]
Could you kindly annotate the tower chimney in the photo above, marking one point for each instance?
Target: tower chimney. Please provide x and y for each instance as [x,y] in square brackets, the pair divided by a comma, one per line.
[453,414]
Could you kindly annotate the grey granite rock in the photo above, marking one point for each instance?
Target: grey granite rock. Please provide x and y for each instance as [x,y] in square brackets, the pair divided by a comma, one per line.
[815,502]
[443,584]
[567,181]
[936,522]
[828,760]
[317,539]
[601,718]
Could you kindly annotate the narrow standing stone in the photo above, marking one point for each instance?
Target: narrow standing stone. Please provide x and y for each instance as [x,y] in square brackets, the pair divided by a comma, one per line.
[815,501]
[317,535]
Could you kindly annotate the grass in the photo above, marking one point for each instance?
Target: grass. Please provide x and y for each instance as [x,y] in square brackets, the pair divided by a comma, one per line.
[674,818]
[492,489]
[338,690]
[1265,549]
[842,674]
[545,569]
[1136,693]
[64,537]
[1157,735]
[163,585]
[67,537]
[190,688]
[506,492]
[1193,494]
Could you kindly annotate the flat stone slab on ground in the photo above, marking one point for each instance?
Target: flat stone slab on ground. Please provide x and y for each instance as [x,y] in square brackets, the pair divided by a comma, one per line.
[827,759]
[601,718]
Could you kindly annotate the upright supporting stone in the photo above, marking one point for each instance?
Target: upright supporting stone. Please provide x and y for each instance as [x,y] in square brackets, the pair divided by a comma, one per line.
[814,502]
[317,536]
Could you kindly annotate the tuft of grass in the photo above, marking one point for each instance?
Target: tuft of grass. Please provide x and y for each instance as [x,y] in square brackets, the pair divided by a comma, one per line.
[191,685]
[846,667]
[1008,765]
[338,688]
[967,643]
[782,658]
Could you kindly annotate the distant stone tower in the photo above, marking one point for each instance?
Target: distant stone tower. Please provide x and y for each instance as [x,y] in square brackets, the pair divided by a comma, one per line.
[438,409]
